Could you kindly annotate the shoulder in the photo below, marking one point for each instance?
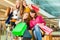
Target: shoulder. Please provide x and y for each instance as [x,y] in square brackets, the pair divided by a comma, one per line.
[31,21]
[39,16]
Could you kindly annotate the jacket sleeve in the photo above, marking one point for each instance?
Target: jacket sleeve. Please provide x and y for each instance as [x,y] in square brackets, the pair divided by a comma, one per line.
[42,20]
[31,25]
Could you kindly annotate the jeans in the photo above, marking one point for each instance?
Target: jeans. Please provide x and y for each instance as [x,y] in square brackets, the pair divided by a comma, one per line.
[37,33]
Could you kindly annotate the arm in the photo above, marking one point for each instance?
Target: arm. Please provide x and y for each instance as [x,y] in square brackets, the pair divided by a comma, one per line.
[41,20]
[29,6]
[31,25]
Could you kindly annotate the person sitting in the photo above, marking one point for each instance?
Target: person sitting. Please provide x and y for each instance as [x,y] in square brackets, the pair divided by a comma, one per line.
[34,24]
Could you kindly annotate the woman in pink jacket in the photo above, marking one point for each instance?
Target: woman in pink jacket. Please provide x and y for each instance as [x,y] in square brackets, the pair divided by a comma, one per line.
[34,24]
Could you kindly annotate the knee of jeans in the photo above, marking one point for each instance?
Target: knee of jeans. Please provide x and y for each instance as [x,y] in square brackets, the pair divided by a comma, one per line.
[36,27]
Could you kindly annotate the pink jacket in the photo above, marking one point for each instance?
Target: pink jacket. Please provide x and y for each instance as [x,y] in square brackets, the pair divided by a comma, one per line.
[38,19]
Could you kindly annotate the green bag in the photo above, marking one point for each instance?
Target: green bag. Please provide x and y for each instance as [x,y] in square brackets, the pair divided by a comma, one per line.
[19,29]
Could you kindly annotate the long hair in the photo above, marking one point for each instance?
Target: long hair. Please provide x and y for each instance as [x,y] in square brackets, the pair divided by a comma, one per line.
[32,11]
[23,6]
[26,20]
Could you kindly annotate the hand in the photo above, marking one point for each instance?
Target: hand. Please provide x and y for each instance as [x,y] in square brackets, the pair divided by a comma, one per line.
[16,22]
[40,24]
[30,6]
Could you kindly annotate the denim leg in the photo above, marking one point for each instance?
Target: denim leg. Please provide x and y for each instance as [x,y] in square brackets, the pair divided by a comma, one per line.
[38,32]
[35,35]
